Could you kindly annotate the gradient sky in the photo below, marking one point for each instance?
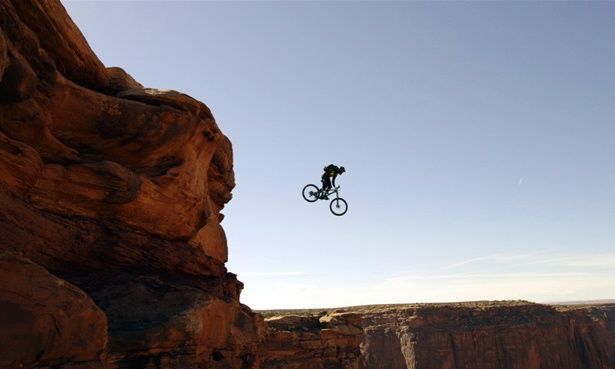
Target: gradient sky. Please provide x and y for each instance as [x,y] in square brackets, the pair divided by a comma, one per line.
[478,140]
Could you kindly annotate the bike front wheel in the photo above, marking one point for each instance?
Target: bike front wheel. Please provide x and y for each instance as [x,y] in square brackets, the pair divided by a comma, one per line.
[338,206]
[310,193]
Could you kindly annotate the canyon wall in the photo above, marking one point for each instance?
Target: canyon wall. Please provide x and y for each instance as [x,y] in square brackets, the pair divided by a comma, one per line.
[477,335]
[111,194]
[310,342]
[490,335]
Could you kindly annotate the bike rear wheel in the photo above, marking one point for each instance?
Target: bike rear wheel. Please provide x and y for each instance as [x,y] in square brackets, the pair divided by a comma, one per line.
[310,193]
[338,206]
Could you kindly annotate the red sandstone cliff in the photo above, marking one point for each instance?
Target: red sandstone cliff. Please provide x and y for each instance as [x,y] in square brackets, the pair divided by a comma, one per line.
[111,247]
[481,335]
[490,335]
[310,342]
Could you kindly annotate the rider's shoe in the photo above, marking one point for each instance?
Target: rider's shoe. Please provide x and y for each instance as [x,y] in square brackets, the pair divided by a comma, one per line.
[325,197]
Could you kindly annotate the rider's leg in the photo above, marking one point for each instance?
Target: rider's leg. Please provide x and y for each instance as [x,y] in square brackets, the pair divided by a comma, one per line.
[326,185]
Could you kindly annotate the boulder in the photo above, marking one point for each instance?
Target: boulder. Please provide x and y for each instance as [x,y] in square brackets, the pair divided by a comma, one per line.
[46,320]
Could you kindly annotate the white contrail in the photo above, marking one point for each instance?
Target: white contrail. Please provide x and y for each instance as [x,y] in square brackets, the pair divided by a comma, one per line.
[520,181]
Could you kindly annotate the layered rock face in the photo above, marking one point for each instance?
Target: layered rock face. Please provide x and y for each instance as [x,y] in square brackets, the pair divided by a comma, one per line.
[490,335]
[309,342]
[112,193]
[481,335]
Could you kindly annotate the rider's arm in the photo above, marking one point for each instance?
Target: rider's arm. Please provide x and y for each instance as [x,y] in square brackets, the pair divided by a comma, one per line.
[334,180]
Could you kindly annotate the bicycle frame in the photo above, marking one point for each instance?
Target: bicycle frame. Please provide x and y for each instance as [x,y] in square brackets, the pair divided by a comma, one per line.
[333,190]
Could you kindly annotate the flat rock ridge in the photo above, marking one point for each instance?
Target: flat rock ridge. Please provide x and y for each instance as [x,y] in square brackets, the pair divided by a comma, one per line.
[472,335]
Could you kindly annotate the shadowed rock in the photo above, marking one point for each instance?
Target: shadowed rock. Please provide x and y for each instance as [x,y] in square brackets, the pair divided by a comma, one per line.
[45,319]
[117,189]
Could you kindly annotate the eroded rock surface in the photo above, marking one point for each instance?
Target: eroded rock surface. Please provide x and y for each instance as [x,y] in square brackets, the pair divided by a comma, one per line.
[309,342]
[45,319]
[116,189]
[477,335]
[490,335]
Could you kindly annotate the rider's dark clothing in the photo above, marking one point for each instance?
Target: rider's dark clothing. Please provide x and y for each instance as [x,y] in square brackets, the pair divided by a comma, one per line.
[331,172]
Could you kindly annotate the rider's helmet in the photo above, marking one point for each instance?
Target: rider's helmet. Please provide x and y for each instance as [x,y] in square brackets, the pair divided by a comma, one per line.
[342,170]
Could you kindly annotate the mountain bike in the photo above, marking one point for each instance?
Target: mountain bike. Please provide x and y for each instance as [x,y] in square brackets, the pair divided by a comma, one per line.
[338,206]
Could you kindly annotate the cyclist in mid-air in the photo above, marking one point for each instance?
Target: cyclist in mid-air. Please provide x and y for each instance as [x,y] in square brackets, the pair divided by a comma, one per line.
[331,172]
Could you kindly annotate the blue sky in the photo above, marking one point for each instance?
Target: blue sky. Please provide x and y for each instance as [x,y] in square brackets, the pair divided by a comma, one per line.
[477,137]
